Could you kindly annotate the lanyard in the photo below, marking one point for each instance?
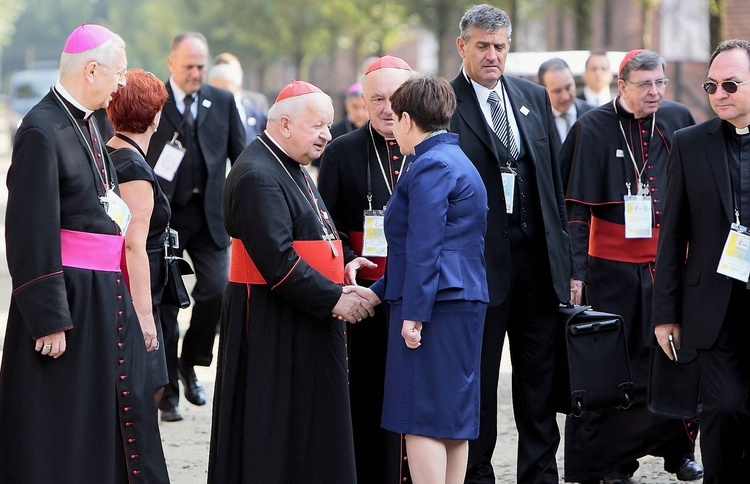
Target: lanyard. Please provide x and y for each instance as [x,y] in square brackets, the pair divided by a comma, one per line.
[382,169]
[642,187]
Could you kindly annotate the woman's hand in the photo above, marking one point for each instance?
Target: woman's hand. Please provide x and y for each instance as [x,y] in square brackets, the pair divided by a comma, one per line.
[411,331]
[351,269]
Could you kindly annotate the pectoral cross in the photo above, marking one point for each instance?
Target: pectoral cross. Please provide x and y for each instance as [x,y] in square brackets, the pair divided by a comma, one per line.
[330,238]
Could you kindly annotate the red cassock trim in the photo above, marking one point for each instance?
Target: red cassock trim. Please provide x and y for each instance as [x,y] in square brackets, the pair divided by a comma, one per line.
[607,241]
[317,253]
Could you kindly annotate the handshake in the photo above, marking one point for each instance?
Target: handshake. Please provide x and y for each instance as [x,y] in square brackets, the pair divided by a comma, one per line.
[355,304]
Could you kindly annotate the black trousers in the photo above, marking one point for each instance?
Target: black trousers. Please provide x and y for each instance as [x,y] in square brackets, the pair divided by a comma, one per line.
[211,265]
[529,316]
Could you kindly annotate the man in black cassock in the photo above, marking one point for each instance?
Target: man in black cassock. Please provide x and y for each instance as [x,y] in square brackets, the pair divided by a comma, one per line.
[281,407]
[358,172]
[616,150]
[76,399]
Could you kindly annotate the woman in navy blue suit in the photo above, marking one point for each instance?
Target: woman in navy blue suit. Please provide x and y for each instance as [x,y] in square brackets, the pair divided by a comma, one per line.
[436,286]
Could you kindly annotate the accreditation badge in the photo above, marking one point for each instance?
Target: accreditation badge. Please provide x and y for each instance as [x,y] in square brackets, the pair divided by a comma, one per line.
[509,187]
[638,219]
[117,210]
[735,258]
[169,160]
[373,241]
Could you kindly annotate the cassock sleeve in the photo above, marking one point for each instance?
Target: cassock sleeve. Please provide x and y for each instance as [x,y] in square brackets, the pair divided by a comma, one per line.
[32,234]
[261,217]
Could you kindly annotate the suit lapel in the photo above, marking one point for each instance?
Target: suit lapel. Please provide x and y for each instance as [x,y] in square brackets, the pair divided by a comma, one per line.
[469,110]
[717,155]
[526,129]
[170,111]
[204,103]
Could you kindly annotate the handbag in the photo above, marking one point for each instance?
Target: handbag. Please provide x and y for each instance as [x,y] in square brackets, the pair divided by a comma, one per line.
[175,294]
[674,388]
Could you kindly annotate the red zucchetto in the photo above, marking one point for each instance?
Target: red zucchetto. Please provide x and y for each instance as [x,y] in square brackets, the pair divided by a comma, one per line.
[627,58]
[86,37]
[388,61]
[297,88]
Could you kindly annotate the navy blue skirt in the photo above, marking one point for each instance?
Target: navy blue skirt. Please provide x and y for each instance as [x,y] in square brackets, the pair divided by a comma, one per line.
[433,390]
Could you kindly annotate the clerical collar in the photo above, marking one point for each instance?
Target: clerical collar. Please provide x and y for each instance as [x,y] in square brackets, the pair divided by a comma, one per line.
[624,110]
[278,145]
[69,97]
[741,131]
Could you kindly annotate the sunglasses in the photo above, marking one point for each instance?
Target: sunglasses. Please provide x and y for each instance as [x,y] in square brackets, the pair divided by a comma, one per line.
[728,86]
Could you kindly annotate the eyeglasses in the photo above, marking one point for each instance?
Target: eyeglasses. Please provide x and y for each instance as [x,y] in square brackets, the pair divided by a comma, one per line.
[729,87]
[646,85]
[119,74]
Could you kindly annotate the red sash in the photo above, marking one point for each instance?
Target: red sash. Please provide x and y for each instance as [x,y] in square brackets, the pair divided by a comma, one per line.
[607,241]
[356,239]
[95,252]
[317,253]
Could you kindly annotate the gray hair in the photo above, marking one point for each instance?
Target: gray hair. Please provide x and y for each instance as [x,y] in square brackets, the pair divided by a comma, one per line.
[730,45]
[554,64]
[230,72]
[103,54]
[643,61]
[483,17]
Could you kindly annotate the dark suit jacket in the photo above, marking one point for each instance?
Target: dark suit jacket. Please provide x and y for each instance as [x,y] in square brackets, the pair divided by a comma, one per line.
[435,223]
[256,119]
[698,212]
[220,137]
[540,139]
[581,107]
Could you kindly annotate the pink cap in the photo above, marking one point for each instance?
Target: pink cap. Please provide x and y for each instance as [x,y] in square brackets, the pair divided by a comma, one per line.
[627,58]
[388,61]
[296,88]
[86,37]
[354,89]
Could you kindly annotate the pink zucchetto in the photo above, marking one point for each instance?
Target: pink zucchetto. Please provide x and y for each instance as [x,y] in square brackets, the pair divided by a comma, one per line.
[388,61]
[297,88]
[86,37]
[627,59]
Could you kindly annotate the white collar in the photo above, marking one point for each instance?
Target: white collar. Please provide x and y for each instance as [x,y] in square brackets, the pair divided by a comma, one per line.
[69,97]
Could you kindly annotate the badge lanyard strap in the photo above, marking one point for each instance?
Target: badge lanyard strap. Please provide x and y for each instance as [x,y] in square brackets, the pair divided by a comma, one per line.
[107,183]
[315,208]
[382,168]
[639,173]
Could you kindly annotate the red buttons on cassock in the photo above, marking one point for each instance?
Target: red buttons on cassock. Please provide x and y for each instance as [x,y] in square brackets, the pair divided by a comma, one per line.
[127,409]
[131,441]
[128,424]
[120,344]
[126,393]
[123,377]
[133,456]
[119,296]
[120,361]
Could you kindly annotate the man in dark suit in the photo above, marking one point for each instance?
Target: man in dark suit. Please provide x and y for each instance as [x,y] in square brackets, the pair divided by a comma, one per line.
[554,74]
[597,78]
[513,142]
[696,301]
[204,119]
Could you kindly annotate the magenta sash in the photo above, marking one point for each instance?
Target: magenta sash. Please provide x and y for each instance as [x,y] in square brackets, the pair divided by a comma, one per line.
[96,252]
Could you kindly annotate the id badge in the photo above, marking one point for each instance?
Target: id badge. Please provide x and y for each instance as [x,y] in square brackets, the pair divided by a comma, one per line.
[509,188]
[169,160]
[117,210]
[735,258]
[373,242]
[638,219]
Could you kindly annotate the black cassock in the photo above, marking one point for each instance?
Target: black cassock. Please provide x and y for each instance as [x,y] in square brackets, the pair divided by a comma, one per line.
[89,415]
[281,406]
[596,165]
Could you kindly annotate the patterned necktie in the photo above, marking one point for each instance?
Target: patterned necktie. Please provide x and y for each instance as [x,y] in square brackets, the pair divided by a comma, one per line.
[501,125]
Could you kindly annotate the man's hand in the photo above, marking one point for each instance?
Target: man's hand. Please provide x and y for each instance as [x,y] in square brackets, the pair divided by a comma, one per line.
[352,307]
[351,269]
[51,344]
[411,331]
[662,332]
[364,292]
[576,290]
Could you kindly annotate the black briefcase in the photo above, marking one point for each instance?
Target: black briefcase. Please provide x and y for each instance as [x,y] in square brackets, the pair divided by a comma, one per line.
[674,388]
[593,368]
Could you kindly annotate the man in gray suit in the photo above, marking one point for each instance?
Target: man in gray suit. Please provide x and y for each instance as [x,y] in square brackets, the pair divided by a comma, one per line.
[506,128]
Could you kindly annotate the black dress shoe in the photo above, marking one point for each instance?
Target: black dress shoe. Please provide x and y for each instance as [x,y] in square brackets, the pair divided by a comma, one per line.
[687,470]
[193,389]
[171,414]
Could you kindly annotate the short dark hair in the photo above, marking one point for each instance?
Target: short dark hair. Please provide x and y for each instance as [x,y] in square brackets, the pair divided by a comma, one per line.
[429,100]
[729,45]
[554,64]
[595,53]
[134,106]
